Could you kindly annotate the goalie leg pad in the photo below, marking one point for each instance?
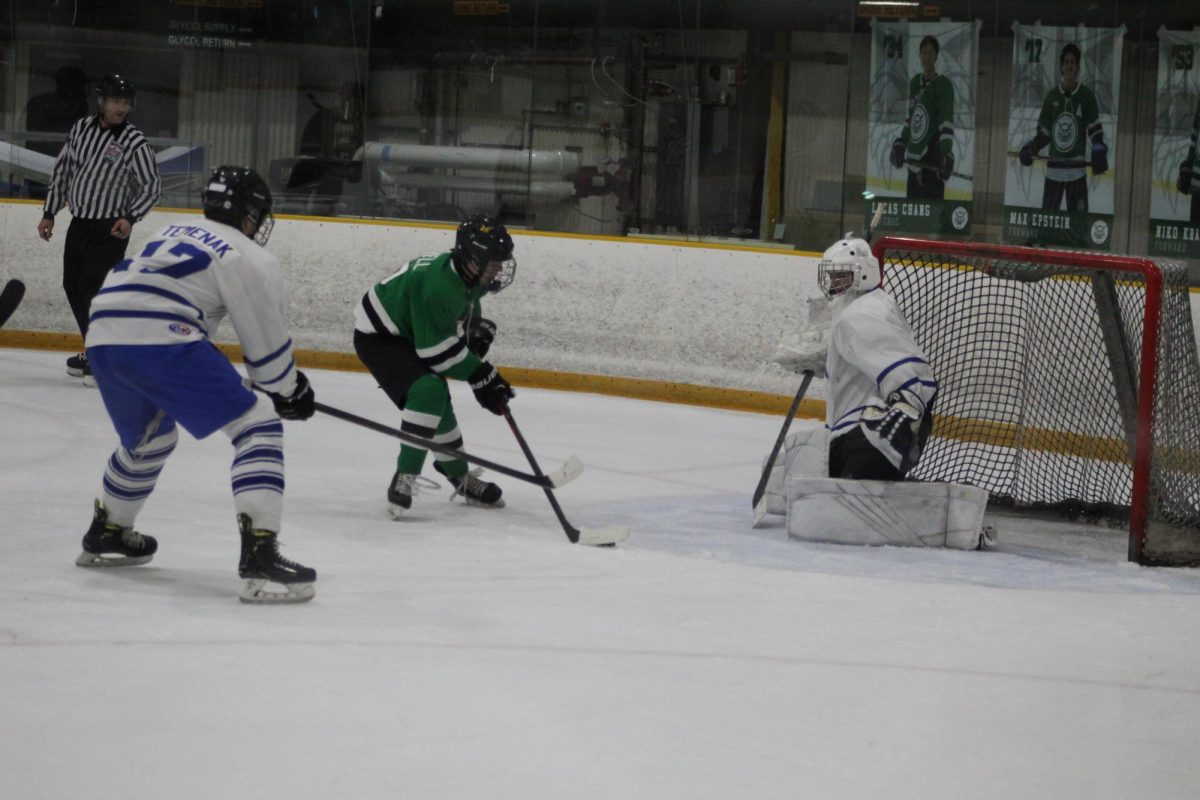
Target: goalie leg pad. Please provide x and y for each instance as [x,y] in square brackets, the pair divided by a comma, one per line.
[901,513]
[805,453]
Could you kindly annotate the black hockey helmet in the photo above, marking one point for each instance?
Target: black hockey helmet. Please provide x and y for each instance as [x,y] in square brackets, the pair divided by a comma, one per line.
[115,86]
[479,241]
[234,194]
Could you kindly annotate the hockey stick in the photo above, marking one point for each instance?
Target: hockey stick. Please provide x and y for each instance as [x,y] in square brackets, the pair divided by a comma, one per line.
[758,501]
[932,168]
[10,298]
[1077,162]
[569,471]
[599,537]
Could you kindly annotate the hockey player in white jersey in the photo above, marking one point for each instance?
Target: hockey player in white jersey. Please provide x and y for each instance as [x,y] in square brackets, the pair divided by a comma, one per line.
[149,348]
[839,483]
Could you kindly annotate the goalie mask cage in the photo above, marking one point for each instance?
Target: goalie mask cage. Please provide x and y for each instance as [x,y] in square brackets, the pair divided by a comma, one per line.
[1068,381]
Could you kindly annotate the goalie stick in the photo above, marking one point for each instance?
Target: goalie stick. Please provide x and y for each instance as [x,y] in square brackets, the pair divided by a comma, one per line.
[597,537]
[10,298]
[571,469]
[759,500]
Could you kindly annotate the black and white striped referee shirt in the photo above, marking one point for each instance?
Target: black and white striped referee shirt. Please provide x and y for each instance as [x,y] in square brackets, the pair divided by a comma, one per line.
[104,173]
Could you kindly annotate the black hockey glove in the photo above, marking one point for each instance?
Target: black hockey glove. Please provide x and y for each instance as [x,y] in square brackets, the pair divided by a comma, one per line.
[1099,158]
[1184,184]
[491,390]
[1026,155]
[897,423]
[481,336]
[945,167]
[302,402]
[897,154]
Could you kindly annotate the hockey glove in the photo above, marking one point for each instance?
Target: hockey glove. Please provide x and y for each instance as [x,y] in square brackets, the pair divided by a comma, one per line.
[481,336]
[491,390]
[897,422]
[301,404]
[1099,158]
[1184,184]
[945,167]
[897,155]
[1026,155]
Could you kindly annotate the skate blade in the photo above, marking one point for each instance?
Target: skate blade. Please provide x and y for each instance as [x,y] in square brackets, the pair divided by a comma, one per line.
[396,512]
[260,591]
[86,559]
[476,503]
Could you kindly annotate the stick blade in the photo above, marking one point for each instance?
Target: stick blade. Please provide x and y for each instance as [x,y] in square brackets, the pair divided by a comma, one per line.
[10,298]
[571,469]
[760,511]
[603,537]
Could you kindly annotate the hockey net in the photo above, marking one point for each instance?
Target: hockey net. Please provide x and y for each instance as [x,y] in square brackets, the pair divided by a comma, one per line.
[1068,381]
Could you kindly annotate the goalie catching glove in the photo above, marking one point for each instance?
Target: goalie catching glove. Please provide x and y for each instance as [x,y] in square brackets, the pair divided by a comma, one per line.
[807,349]
[898,425]
[480,337]
[300,404]
[491,390]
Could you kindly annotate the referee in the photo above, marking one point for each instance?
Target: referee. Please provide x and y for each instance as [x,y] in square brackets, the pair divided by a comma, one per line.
[107,174]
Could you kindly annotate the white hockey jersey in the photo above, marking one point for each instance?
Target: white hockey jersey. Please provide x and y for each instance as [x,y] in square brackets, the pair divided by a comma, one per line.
[872,354]
[180,287]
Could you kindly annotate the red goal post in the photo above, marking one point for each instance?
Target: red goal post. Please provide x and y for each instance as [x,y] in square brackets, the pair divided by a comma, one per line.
[1068,380]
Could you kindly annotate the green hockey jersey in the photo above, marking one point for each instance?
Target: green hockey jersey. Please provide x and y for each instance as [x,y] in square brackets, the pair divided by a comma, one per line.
[1070,123]
[929,127]
[427,303]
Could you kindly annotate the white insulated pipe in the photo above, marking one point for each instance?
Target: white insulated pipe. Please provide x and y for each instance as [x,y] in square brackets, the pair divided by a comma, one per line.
[482,183]
[537,162]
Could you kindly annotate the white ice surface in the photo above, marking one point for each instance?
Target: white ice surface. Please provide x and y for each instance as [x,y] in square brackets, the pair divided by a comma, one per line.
[470,653]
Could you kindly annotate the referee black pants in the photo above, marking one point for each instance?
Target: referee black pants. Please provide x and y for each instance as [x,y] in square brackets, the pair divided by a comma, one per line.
[90,252]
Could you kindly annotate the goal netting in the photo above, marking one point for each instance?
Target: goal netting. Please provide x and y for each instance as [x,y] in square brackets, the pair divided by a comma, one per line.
[1067,381]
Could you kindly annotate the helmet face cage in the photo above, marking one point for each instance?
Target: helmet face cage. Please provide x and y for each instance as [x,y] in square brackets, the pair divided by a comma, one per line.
[508,271]
[234,194]
[113,87]
[848,266]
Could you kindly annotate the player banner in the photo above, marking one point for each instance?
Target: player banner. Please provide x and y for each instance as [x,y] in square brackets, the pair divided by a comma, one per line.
[1062,133]
[921,125]
[1175,191]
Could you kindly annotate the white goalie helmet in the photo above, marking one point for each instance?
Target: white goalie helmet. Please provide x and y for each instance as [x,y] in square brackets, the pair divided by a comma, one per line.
[848,266]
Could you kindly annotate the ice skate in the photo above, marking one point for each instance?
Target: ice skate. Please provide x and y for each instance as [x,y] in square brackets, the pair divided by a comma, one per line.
[474,490]
[270,578]
[77,366]
[401,491]
[108,545]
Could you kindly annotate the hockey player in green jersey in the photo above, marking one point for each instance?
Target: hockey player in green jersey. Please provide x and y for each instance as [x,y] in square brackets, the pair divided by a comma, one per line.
[1069,121]
[422,325]
[925,145]
[1189,171]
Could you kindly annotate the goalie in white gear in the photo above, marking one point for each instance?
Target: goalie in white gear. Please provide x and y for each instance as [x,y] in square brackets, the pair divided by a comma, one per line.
[881,387]
[879,414]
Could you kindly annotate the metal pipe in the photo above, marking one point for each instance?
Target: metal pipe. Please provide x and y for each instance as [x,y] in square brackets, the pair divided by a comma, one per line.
[482,183]
[538,162]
